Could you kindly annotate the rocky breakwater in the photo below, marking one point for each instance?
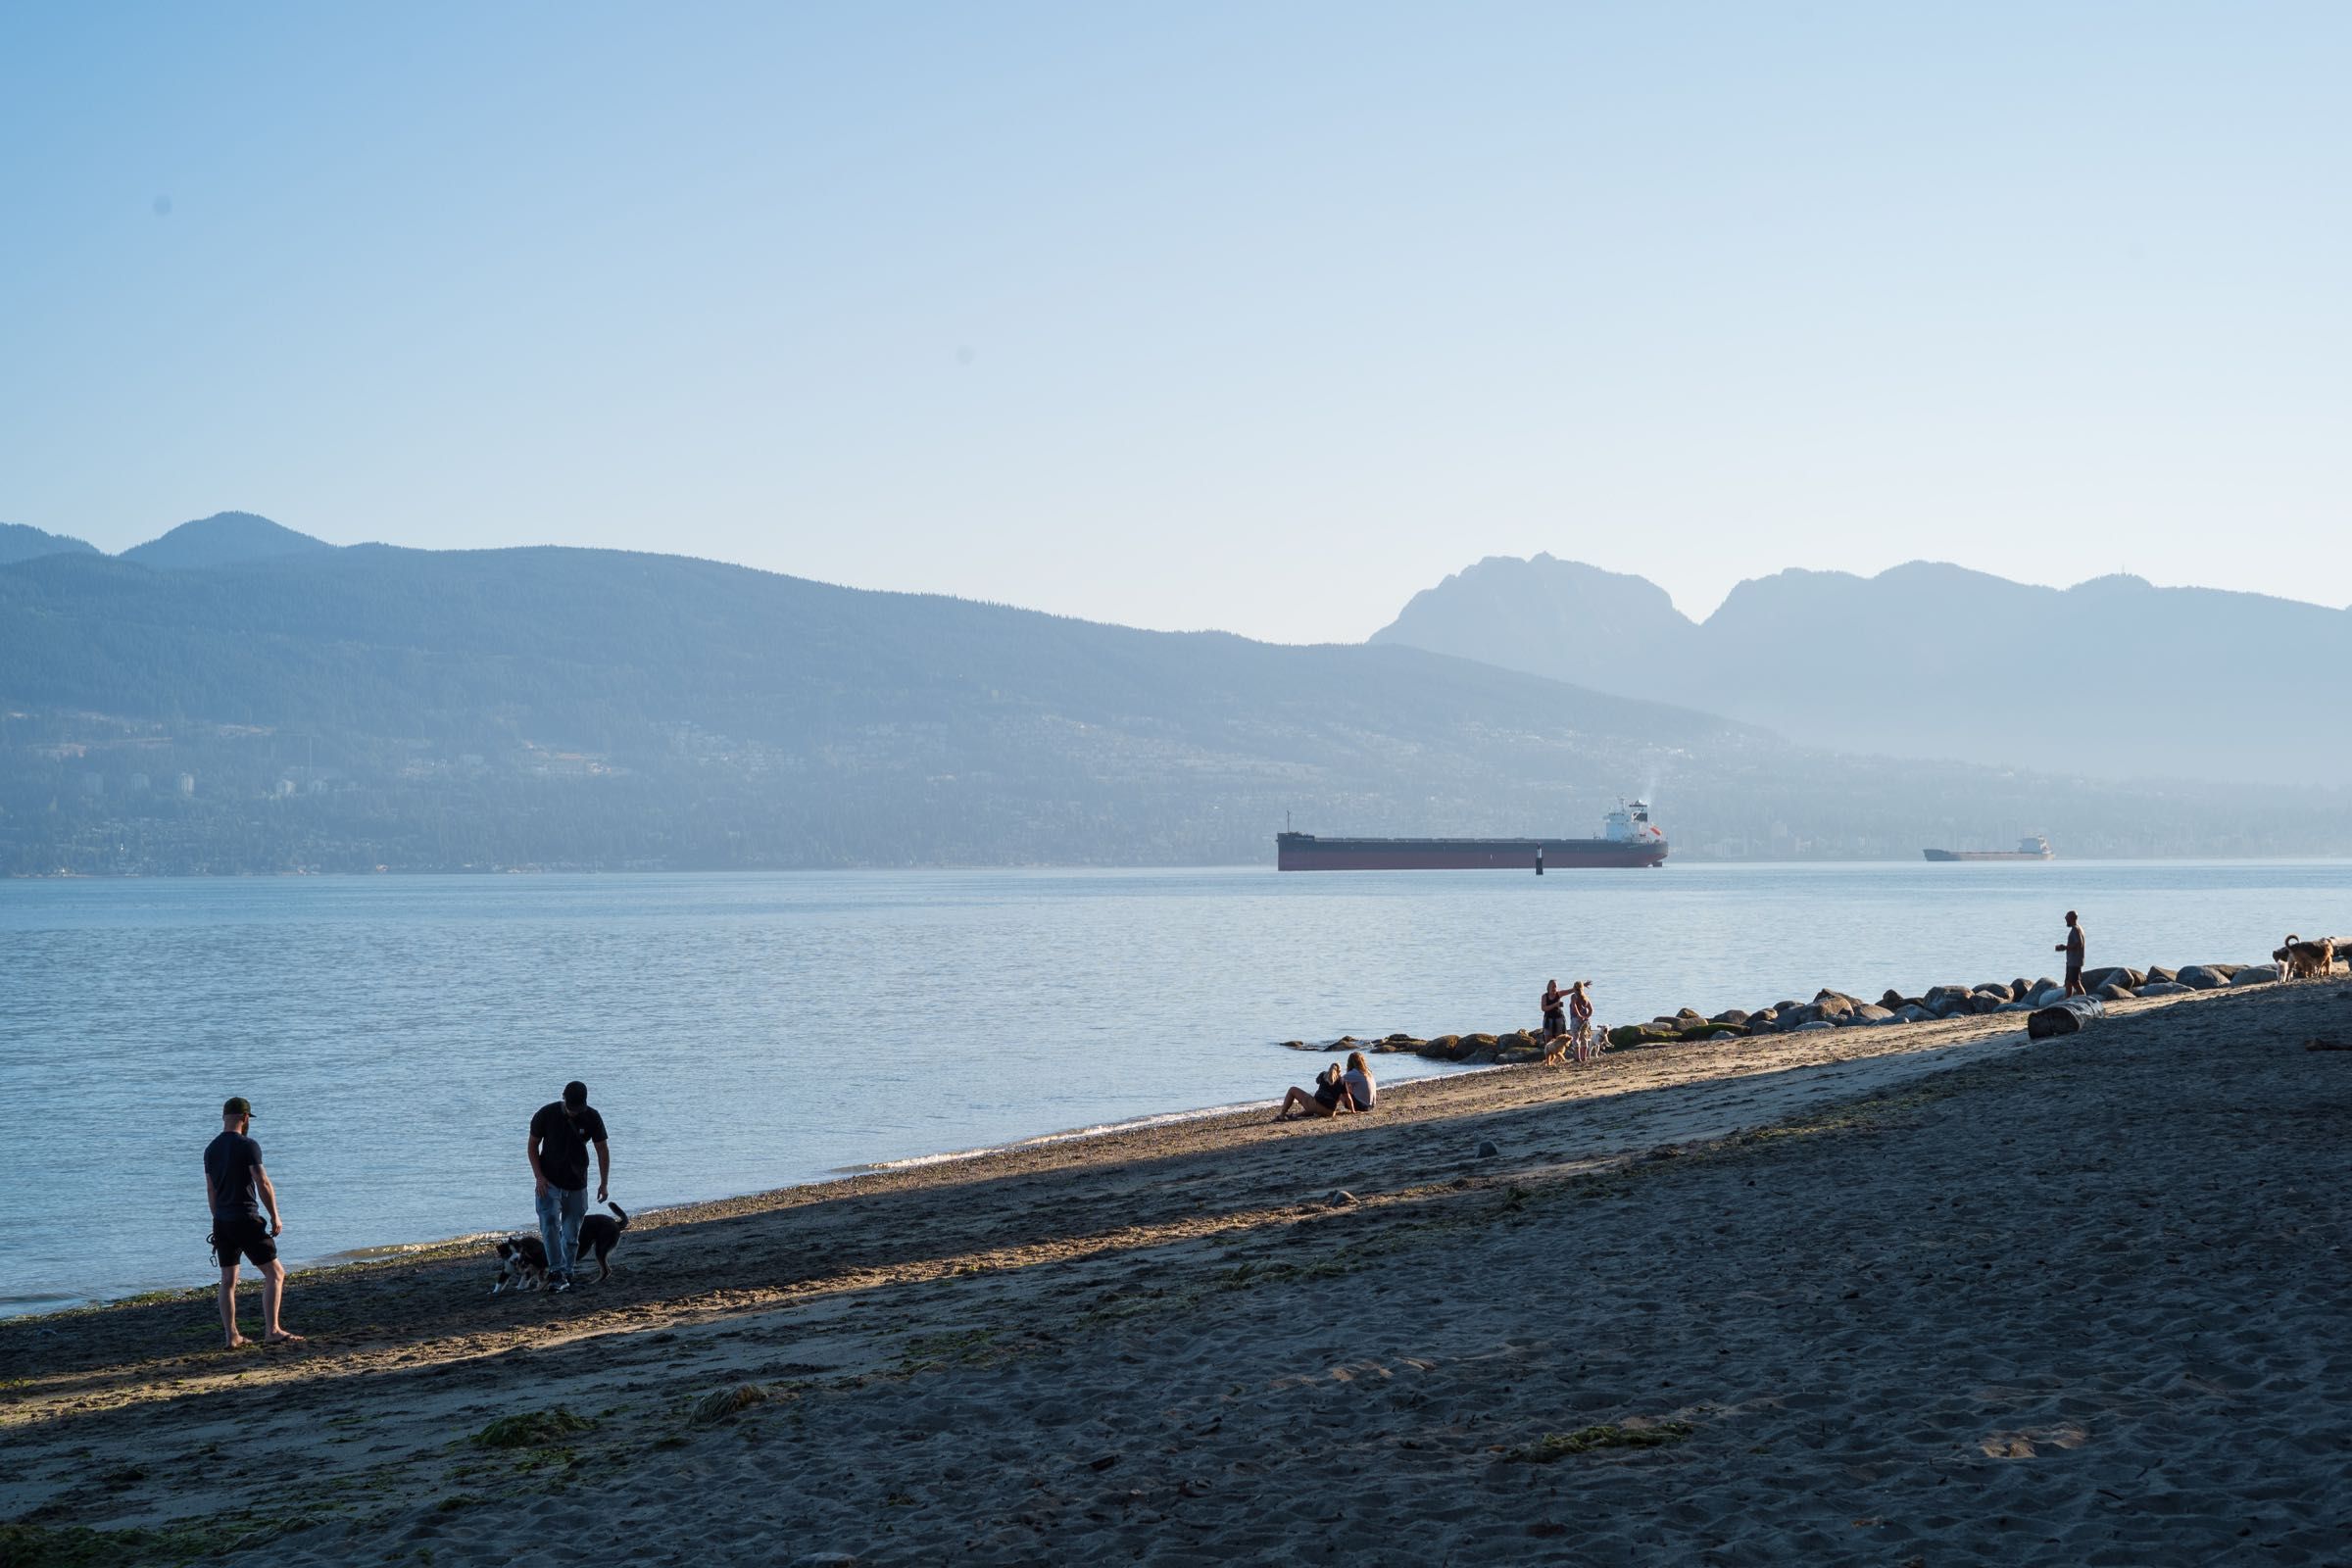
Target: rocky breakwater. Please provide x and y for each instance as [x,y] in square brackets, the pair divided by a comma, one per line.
[1474,1050]
[1829,1009]
[1837,1010]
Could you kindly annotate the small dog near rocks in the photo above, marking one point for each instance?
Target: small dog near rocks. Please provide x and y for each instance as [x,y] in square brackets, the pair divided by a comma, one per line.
[2306,961]
[522,1258]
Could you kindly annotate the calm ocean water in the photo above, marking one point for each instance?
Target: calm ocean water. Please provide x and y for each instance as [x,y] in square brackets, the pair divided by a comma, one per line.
[742,1032]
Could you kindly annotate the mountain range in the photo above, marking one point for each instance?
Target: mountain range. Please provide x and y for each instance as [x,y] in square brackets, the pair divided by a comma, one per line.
[250,698]
[2112,677]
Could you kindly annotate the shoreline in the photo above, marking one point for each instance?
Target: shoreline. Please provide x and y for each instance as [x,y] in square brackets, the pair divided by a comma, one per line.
[664,1214]
[398,1252]
[1760,1296]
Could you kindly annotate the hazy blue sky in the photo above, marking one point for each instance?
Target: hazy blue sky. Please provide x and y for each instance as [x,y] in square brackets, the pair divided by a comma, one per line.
[1255,317]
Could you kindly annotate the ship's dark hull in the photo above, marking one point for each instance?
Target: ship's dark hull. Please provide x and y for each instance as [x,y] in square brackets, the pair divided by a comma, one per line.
[1304,852]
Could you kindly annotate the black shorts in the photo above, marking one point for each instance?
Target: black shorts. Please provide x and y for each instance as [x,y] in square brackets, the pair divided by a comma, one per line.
[1327,1096]
[246,1235]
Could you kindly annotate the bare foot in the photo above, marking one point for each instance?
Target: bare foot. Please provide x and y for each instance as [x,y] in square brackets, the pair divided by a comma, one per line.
[281,1336]
[238,1343]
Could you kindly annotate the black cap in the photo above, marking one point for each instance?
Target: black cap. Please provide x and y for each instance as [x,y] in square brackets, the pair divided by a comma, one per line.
[236,1105]
[576,1094]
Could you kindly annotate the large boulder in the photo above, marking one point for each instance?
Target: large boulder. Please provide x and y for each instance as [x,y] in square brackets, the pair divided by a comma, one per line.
[1996,990]
[2203,977]
[2015,1007]
[2165,988]
[2261,974]
[1944,998]
[2113,974]
[1440,1046]
[2048,997]
[1872,1012]
[1892,1000]
[1913,1012]
[1729,1015]
[2114,991]
[1814,1026]
[1763,1022]
[2045,983]
[2157,972]
[1832,1005]
[2021,988]
[1986,1000]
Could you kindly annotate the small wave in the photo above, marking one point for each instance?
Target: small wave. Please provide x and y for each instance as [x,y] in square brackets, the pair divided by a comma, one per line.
[391,1250]
[1163,1119]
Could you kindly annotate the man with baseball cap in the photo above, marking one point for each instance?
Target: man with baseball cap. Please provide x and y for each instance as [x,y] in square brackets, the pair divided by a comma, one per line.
[236,1188]
[562,1131]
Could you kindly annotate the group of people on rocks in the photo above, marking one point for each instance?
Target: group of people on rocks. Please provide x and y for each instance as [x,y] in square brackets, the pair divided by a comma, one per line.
[238,1190]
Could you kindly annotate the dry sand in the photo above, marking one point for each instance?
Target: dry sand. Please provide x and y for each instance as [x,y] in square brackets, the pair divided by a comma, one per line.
[1904,1295]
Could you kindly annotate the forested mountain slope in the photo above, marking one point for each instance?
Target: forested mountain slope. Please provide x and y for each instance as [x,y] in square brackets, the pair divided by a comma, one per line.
[340,707]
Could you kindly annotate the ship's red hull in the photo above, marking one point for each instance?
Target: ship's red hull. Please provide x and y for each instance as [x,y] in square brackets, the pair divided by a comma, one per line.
[1304,852]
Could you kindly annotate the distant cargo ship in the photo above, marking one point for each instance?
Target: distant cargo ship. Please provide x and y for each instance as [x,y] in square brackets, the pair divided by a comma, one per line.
[2035,848]
[1628,839]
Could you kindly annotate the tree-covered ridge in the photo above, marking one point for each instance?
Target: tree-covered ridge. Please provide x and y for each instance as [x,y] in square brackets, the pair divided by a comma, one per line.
[21,543]
[353,706]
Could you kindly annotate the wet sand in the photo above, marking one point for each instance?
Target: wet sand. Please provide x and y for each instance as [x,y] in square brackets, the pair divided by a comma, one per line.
[1909,1293]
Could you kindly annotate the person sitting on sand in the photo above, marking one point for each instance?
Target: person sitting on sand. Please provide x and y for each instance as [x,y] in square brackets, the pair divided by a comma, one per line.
[1556,1016]
[1362,1093]
[1329,1097]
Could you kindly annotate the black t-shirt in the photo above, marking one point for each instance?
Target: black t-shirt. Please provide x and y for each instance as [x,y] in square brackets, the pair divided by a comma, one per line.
[563,1153]
[230,1161]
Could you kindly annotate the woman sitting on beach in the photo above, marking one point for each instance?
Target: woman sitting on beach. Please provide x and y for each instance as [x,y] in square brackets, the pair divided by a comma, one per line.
[1329,1097]
[1362,1093]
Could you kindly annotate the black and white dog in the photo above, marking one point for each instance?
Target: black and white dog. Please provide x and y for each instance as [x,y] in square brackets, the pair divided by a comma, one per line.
[522,1258]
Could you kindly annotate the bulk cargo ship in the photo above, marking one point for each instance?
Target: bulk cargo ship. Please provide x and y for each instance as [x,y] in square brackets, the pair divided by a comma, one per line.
[1627,838]
[2035,848]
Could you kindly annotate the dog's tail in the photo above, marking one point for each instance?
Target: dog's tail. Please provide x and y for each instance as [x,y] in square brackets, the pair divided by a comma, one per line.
[617,1209]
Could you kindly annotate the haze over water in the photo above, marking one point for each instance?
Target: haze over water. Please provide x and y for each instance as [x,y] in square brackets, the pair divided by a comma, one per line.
[747,1031]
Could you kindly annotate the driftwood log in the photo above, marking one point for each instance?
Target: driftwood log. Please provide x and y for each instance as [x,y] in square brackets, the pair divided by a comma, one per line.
[2064,1018]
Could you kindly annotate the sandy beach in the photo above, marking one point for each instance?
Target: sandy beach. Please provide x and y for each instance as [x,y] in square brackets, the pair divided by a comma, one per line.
[1906,1295]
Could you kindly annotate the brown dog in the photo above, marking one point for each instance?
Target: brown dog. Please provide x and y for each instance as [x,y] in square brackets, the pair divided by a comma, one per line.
[2306,961]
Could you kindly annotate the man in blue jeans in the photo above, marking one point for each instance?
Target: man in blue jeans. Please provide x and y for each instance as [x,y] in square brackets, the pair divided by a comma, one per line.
[561,1132]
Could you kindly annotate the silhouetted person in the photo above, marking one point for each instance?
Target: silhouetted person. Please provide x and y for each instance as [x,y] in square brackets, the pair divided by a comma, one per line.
[236,1189]
[1555,1013]
[561,1132]
[2071,946]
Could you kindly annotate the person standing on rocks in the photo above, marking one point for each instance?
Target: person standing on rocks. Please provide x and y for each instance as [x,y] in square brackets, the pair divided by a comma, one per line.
[236,1189]
[558,1148]
[2071,946]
